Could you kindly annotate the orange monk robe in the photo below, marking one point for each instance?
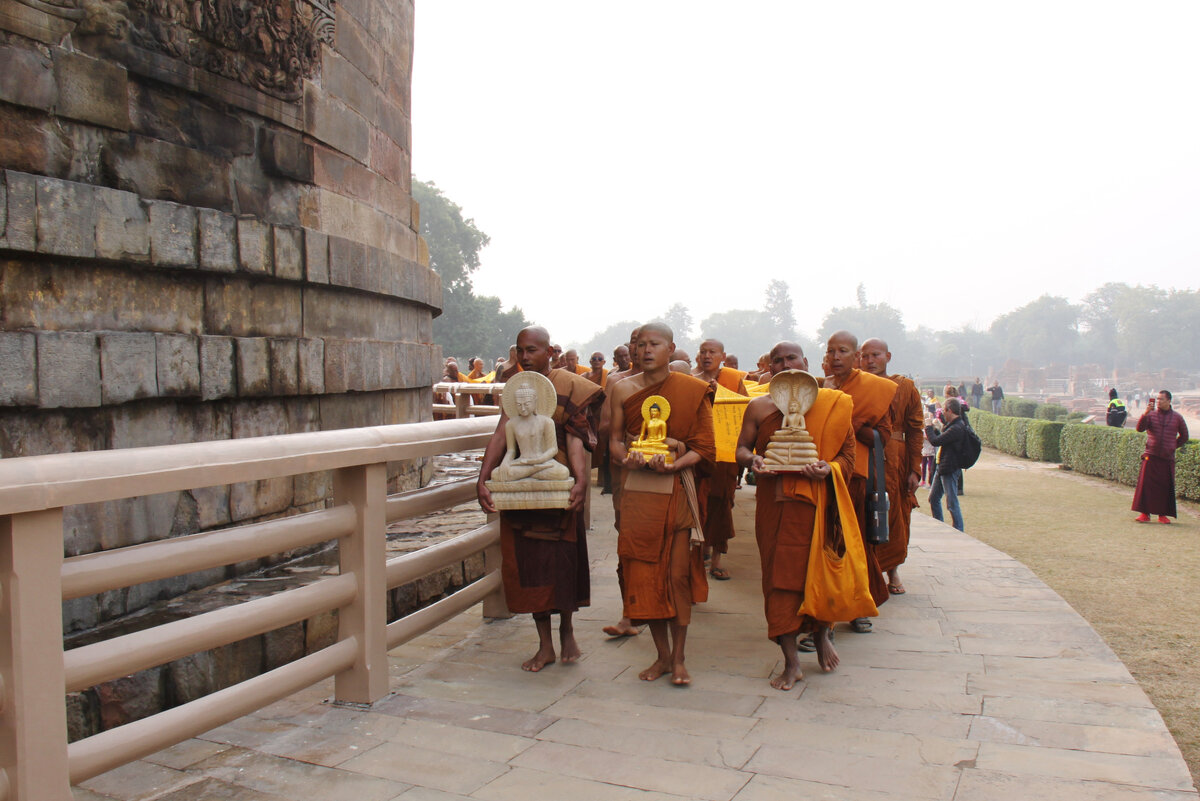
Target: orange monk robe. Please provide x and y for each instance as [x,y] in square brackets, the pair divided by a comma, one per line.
[662,574]
[903,455]
[582,369]
[544,562]
[784,517]
[872,397]
[722,483]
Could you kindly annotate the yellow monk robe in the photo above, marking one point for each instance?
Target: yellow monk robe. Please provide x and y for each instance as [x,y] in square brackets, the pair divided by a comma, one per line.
[903,454]
[872,407]
[543,552]
[729,407]
[662,574]
[581,369]
[785,517]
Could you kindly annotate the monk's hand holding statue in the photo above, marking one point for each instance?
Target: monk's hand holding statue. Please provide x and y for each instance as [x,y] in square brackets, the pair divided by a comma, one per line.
[652,448]
[529,476]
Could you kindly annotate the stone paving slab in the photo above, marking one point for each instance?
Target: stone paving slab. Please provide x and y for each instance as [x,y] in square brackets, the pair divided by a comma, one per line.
[979,683]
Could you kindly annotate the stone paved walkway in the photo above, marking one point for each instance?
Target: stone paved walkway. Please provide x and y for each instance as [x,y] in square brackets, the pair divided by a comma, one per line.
[980,683]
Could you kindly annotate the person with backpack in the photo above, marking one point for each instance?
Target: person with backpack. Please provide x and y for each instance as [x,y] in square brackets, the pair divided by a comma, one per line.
[958,449]
[1116,413]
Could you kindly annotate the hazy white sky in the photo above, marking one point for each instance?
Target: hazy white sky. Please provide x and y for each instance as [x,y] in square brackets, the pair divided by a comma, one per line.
[958,159]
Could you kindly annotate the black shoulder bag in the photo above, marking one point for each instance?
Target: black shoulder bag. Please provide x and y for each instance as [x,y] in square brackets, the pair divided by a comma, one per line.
[877,497]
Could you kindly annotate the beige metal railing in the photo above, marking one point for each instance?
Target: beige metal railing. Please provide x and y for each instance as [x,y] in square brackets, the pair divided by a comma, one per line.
[35,760]
[464,399]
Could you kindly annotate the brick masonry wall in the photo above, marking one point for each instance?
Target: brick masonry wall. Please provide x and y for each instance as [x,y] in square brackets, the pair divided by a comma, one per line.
[189,254]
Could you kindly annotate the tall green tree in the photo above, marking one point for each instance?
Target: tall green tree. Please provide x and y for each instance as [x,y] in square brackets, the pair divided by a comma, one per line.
[1043,332]
[866,320]
[469,325]
[680,320]
[780,312]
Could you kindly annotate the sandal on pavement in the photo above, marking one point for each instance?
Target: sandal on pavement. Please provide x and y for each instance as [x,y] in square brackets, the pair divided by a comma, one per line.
[861,625]
[720,574]
[896,589]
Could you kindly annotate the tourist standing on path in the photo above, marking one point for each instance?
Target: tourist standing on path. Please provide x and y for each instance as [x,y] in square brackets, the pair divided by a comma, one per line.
[997,396]
[1166,432]
[977,393]
[949,465]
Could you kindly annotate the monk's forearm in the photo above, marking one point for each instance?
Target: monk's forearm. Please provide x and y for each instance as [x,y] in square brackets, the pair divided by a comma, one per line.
[576,459]
[495,451]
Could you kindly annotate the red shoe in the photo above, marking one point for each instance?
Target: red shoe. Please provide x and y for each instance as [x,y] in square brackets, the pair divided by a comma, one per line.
[1164,519]
[1142,518]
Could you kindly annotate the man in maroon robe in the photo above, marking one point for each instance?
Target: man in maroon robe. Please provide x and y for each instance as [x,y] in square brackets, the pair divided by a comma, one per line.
[1166,432]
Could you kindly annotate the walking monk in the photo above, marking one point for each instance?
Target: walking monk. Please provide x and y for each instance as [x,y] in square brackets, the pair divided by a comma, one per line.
[544,561]
[872,412]
[785,520]
[663,574]
[903,460]
[718,520]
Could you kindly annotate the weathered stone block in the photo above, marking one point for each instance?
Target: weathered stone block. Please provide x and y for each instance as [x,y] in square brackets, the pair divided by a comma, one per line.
[316,256]
[253,366]
[156,169]
[343,365]
[254,245]
[285,154]
[92,90]
[79,614]
[237,662]
[289,252]
[334,124]
[350,411]
[122,226]
[191,677]
[218,241]
[347,261]
[66,218]
[373,365]
[212,506]
[284,367]
[20,229]
[131,698]
[83,715]
[320,631]
[312,487]
[178,365]
[330,313]
[172,234]
[283,645]
[137,425]
[27,78]
[18,369]
[253,499]
[127,367]
[311,367]
[36,432]
[217,373]
[234,306]
[68,369]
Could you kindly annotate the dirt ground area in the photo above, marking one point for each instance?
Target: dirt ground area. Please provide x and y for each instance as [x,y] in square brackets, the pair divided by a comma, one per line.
[1133,582]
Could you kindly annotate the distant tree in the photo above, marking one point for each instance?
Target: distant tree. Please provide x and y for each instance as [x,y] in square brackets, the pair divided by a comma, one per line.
[747,334]
[866,320]
[680,320]
[469,325]
[780,312]
[1043,332]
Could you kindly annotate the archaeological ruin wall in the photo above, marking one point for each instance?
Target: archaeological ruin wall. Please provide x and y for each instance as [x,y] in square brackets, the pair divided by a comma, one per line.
[206,232]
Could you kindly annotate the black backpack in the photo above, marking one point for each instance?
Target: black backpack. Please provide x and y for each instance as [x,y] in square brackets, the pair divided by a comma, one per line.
[971,447]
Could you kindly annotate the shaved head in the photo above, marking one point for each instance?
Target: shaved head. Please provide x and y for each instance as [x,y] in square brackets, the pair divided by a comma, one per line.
[716,343]
[658,328]
[845,336]
[787,356]
[679,366]
[537,334]
[874,356]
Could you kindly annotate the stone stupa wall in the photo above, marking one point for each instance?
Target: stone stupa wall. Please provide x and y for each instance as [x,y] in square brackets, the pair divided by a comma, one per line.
[206,232]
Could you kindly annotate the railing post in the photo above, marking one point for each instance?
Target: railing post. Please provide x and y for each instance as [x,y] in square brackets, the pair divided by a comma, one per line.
[33,718]
[494,605]
[364,553]
[462,401]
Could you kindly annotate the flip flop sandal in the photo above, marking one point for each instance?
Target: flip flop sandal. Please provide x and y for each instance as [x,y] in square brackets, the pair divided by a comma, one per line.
[720,574]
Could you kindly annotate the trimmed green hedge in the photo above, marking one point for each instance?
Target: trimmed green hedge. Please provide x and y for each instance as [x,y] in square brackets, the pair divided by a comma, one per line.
[1094,450]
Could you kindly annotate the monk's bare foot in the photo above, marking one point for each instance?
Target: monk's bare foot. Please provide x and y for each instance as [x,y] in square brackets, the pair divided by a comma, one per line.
[622,629]
[827,655]
[788,678]
[660,668]
[544,656]
[680,676]
[570,649]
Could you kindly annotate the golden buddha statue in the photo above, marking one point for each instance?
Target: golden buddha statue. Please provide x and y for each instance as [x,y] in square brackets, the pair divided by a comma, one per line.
[652,441]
